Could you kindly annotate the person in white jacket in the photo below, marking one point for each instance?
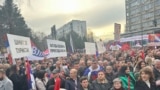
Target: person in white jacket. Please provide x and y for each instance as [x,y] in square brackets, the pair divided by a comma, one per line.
[5,83]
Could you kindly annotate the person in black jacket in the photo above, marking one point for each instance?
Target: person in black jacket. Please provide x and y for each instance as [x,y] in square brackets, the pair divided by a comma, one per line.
[85,84]
[156,72]
[110,76]
[101,82]
[72,83]
[17,79]
[146,81]
[51,82]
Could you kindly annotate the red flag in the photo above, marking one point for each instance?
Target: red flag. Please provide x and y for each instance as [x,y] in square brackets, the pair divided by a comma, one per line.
[28,72]
[125,46]
[10,59]
[142,55]
[57,84]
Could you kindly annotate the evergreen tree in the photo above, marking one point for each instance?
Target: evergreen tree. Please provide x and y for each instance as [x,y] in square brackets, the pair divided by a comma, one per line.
[12,20]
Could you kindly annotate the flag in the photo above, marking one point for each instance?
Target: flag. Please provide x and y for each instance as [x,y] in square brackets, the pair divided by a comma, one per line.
[28,72]
[46,52]
[37,54]
[10,59]
[142,55]
[71,44]
[125,46]
[57,84]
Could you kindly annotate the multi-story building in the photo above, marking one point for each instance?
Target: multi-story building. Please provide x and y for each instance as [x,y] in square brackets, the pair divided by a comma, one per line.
[75,25]
[142,17]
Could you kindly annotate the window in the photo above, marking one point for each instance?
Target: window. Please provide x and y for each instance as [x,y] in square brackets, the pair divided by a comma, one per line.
[148,15]
[157,3]
[134,3]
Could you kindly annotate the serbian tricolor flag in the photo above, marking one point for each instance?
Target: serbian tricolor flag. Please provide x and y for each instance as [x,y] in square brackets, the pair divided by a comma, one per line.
[28,71]
[57,84]
[6,43]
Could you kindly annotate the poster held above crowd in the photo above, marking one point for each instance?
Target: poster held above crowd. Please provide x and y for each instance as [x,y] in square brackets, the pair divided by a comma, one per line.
[19,46]
[56,48]
[100,46]
[90,48]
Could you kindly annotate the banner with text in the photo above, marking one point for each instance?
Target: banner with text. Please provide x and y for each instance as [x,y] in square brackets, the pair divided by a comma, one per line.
[56,48]
[100,46]
[19,46]
[90,48]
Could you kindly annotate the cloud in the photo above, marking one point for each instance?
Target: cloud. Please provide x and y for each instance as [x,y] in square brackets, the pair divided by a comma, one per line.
[99,14]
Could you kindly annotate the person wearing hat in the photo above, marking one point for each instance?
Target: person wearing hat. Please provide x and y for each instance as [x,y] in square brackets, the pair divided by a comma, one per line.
[51,82]
[117,84]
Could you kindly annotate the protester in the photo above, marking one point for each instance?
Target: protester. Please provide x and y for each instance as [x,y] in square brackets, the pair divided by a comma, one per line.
[141,65]
[52,81]
[156,71]
[110,76]
[146,80]
[73,82]
[117,84]
[36,70]
[40,80]
[5,83]
[19,81]
[92,71]
[127,78]
[85,84]
[101,83]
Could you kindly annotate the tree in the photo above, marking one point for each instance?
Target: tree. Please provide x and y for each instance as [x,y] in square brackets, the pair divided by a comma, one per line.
[39,39]
[12,20]
[78,42]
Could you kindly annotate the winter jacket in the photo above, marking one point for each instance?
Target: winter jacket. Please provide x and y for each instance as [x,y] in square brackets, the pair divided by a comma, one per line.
[52,82]
[70,84]
[89,87]
[92,74]
[19,82]
[110,77]
[141,85]
[125,80]
[6,84]
[40,84]
[101,86]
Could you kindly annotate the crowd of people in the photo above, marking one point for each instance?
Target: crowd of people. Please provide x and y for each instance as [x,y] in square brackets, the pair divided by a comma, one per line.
[134,69]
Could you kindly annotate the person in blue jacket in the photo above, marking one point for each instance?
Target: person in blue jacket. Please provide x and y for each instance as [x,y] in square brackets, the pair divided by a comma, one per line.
[92,71]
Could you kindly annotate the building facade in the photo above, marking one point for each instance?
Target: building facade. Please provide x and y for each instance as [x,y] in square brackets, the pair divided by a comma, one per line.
[75,25]
[142,17]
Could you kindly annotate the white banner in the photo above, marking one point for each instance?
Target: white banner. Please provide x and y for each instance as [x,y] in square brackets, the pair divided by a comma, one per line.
[90,48]
[101,48]
[114,47]
[56,48]
[19,46]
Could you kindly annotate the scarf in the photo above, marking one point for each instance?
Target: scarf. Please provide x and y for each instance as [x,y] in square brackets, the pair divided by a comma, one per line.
[57,84]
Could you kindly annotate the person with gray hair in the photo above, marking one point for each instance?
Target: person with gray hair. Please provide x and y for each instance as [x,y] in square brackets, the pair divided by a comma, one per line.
[156,72]
[5,83]
[117,84]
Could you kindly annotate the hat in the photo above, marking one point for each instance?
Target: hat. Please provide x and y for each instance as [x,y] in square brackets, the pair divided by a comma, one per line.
[55,71]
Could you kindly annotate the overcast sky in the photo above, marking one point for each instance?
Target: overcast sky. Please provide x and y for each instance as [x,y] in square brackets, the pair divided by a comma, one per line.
[100,15]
